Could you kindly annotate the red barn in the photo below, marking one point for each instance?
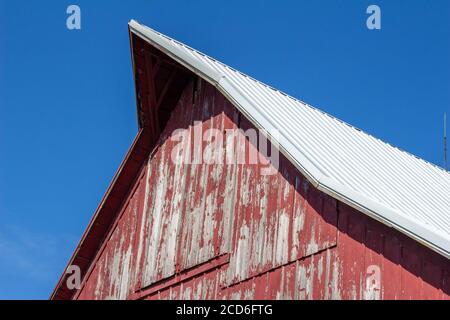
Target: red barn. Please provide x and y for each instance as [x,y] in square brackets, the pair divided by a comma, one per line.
[235,190]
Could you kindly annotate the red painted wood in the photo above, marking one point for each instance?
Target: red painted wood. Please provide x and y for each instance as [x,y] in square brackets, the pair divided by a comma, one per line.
[282,238]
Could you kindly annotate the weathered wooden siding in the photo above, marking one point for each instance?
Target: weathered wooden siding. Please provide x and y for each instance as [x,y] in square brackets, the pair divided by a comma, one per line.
[227,231]
[112,275]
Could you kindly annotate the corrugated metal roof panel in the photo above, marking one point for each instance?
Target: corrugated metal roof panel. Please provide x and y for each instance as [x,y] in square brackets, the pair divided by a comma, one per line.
[388,184]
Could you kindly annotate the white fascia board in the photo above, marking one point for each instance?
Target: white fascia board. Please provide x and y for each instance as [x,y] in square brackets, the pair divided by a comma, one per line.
[433,239]
[162,43]
[424,234]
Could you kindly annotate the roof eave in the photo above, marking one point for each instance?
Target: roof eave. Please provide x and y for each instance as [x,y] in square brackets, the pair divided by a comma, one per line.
[431,238]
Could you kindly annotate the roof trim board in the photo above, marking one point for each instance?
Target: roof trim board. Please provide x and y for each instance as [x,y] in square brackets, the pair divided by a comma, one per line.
[422,232]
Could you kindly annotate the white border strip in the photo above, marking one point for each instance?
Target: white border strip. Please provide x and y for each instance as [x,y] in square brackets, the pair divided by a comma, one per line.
[434,239]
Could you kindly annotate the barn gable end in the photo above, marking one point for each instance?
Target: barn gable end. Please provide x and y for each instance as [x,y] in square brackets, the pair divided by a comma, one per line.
[169,229]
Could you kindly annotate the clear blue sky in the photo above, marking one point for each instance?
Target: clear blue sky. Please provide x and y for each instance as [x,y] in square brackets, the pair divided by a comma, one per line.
[67,105]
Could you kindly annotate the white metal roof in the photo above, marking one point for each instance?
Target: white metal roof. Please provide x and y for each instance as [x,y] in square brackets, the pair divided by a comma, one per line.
[388,184]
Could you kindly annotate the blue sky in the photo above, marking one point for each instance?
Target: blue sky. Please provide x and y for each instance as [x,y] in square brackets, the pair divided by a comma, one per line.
[67,105]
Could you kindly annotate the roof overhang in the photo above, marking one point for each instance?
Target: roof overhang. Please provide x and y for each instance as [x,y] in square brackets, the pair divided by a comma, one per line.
[153,110]
[99,226]
[431,238]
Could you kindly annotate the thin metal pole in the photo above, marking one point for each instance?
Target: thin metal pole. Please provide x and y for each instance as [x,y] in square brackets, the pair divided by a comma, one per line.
[445,141]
